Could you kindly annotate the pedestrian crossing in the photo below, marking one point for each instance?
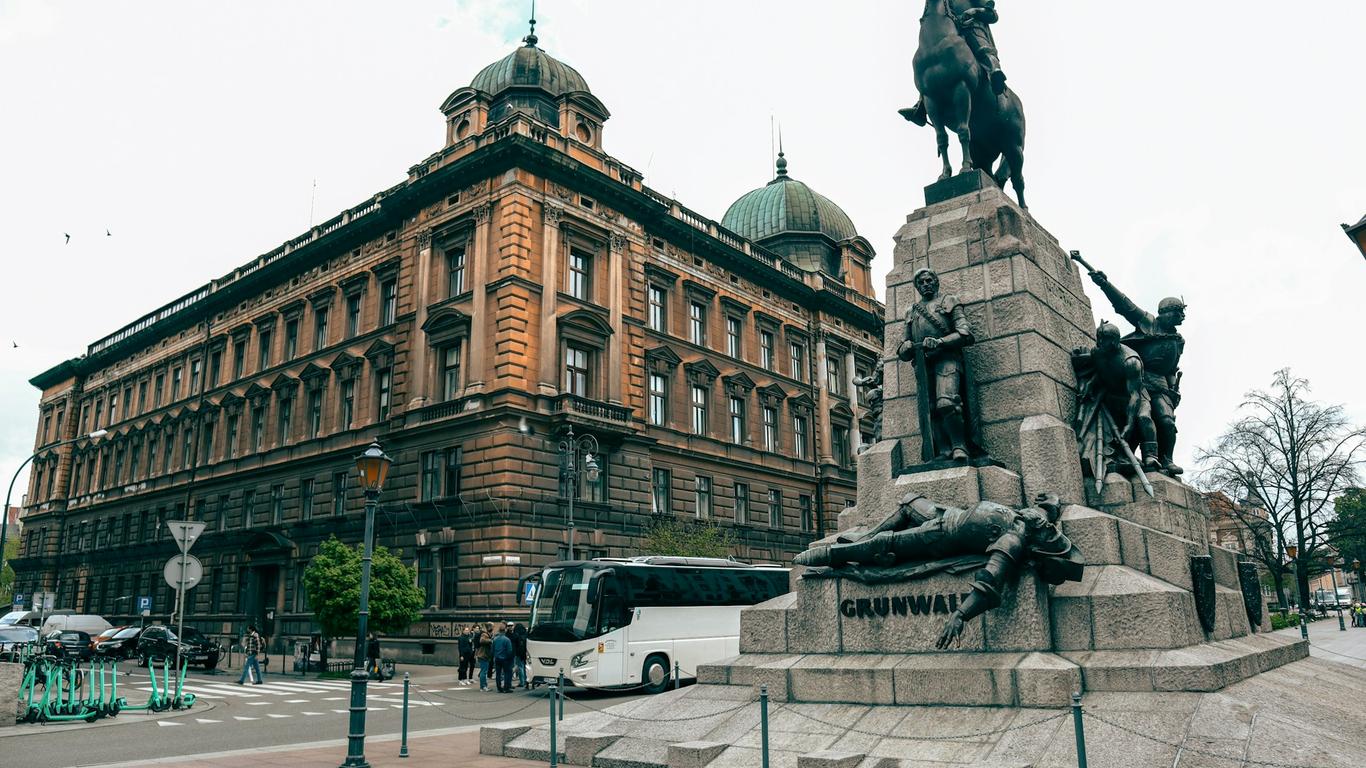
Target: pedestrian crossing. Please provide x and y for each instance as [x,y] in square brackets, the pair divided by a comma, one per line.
[230,690]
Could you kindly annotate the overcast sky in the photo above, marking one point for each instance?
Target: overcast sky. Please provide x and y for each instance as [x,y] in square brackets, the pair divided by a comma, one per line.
[1208,150]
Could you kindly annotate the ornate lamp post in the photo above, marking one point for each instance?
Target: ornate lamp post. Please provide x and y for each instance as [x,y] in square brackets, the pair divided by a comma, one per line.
[4,514]
[571,448]
[1293,551]
[1333,571]
[373,468]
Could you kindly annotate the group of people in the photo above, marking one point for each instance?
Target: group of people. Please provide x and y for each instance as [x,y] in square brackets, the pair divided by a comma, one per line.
[1357,611]
[497,648]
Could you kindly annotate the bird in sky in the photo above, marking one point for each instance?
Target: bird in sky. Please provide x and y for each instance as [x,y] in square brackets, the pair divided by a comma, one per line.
[107,233]
[68,239]
[15,343]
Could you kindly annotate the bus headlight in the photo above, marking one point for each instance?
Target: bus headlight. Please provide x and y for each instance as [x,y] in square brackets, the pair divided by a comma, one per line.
[579,659]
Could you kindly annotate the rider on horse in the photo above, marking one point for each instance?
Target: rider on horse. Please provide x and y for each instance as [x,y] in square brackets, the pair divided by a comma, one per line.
[973,25]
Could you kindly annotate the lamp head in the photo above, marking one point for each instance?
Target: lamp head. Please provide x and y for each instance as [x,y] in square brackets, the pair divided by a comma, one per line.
[373,468]
[97,434]
[590,468]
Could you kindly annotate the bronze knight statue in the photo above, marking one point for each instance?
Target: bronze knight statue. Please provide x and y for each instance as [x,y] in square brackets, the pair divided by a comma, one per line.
[937,330]
[921,531]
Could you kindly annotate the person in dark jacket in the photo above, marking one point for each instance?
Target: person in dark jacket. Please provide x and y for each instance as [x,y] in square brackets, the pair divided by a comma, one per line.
[503,656]
[483,653]
[465,645]
[372,657]
[518,634]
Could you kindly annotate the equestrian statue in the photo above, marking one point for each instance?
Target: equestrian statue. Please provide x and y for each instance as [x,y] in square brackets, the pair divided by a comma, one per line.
[963,89]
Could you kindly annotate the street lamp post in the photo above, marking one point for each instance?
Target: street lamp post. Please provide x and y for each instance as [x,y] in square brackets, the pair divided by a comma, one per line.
[1293,551]
[1337,601]
[373,468]
[4,516]
[571,448]
[1356,569]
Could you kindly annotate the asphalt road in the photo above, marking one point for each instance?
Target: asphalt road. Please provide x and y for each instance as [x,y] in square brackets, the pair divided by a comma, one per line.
[286,709]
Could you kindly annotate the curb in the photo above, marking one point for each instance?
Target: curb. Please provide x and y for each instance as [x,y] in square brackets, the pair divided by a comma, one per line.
[124,718]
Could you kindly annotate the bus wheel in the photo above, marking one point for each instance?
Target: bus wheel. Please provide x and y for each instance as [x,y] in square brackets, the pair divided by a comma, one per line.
[655,676]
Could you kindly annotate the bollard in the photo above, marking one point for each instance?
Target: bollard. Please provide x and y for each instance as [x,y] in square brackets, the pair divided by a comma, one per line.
[676,676]
[403,747]
[1080,729]
[554,755]
[1304,627]
[763,723]
[560,695]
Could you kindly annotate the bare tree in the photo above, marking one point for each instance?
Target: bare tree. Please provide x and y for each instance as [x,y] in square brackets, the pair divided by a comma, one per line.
[1292,457]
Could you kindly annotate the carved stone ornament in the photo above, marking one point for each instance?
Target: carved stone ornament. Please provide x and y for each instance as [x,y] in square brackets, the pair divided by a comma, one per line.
[1202,583]
[482,212]
[617,242]
[551,214]
[1250,582]
[424,239]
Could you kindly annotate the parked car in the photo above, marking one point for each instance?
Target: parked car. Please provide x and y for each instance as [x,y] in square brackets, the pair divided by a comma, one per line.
[83,622]
[13,637]
[116,643]
[159,642]
[29,618]
[68,644]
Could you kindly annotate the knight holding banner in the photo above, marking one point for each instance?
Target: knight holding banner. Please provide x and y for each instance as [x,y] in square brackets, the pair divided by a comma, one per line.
[937,331]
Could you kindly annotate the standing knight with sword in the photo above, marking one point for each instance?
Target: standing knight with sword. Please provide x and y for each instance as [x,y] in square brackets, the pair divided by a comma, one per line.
[937,331]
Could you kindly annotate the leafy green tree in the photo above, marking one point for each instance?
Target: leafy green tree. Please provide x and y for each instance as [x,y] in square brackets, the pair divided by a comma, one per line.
[1347,531]
[669,535]
[332,580]
[7,576]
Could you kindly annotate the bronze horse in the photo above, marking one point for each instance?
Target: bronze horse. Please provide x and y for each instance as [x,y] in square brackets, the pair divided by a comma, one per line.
[958,97]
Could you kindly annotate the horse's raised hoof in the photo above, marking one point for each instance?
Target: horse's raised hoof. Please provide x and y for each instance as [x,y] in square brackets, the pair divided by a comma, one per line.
[945,175]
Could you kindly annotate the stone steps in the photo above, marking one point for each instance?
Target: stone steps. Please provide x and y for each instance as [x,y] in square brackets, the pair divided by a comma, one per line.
[1204,667]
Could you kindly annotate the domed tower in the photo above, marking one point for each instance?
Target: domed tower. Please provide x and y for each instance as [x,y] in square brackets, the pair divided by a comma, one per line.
[804,227]
[532,82]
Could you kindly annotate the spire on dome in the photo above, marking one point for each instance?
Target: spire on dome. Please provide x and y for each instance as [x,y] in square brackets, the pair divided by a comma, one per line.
[531,39]
[782,161]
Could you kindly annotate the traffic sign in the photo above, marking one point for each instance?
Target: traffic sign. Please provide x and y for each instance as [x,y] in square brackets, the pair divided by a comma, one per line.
[530,590]
[144,603]
[18,600]
[193,571]
[185,532]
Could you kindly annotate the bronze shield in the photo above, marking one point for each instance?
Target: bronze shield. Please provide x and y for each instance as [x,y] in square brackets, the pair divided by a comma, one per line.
[1202,584]
[1251,584]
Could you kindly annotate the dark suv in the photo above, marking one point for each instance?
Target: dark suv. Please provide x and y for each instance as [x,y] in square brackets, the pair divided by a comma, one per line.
[158,642]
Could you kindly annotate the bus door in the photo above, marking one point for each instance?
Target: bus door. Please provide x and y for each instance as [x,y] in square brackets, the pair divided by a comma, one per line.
[611,617]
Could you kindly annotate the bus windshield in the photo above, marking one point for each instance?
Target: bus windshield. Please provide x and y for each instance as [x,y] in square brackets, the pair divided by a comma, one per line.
[562,612]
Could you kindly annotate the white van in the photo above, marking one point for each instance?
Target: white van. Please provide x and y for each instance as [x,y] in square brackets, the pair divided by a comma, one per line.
[28,618]
[80,622]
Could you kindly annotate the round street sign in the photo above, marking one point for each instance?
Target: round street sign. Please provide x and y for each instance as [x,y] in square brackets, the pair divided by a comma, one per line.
[194,571]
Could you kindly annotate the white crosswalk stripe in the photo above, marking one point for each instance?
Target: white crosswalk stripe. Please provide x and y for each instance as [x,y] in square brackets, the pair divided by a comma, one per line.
[272,714]
[207,720]
[239,717]
[168,722]
[319,713]
[344,712]
[300,701]
[400,701]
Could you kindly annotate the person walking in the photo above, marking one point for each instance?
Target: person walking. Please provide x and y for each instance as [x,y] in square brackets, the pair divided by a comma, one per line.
[503,657]
[518,633]
[483,653]
[465,646]
[253,644]
[373,667]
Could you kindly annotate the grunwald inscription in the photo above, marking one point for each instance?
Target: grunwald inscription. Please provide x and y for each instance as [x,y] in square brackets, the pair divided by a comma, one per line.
[909,605]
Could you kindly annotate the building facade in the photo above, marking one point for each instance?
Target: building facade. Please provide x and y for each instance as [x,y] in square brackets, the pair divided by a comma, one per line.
[517,282]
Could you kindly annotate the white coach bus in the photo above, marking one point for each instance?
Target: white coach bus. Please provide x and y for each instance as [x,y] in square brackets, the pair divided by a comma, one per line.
[612,623]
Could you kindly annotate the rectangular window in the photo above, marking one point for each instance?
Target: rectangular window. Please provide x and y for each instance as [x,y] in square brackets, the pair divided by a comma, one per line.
[113,407]
[215,369]
[339,480]
[766,350]
[258,427]
[206,441]
[770,428]
[450,581]
[775,508]
[118,463]
[808,515]
[231,448]
[384,380]
[223,501]
[196,376]
[248,509]
[660,482]
[659,399]
[169,452]
[319,328]
[699,410]
[388,302]
[291,339]
[834,375]
[300,587]
[151,455]
[737,421]
[659,309]
[426,577]
[702,492]
[741,504]
[284,414]
[431,475]
[263,350]
[134,457]
[733,330]
[577,370]
[142,397]
[450,372]
[315,413]
[697,323]
[201,508]
[353,315]
[127,409]
[839,444]
[306,499]
[580,284]
[99,414]
[798,354]
[239,364]
[277,504]
[454,460]
[455,271]
[175,387]
[348,403]
[799,437]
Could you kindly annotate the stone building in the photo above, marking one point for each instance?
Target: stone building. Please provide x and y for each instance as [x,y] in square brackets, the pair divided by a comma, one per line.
[1238,525]
[519,280]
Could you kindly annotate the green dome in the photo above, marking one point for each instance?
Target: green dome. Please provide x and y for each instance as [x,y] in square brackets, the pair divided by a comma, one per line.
[787,206]
[529,67]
